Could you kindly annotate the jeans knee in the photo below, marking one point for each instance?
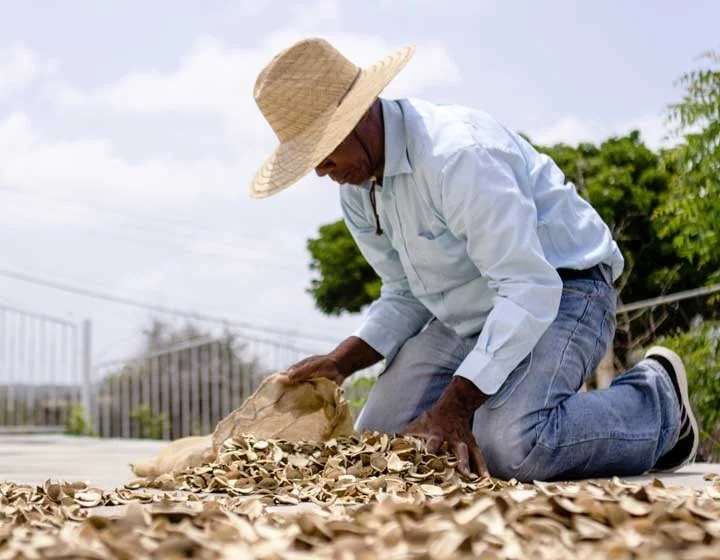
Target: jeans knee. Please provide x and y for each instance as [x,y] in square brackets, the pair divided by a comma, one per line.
[506,452]
[379,419]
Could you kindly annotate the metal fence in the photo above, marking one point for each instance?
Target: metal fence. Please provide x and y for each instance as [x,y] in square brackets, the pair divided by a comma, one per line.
[47,378]
[48,383]
[185,389]
[40,368]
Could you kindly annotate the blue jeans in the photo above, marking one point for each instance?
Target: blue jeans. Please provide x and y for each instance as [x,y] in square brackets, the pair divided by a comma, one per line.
[539,425]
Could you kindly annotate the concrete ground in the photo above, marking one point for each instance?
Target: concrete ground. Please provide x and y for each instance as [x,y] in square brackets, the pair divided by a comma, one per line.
[33,458]
[105,463]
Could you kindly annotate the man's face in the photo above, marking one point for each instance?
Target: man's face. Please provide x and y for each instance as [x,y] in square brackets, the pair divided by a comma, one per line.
[348,163]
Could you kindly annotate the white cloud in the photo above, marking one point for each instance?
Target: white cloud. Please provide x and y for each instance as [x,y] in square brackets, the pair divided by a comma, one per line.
[93,168]
[653,131]
[211,80]
[319,13]
[216,80]
[572,130]
[18,68]
[431,66]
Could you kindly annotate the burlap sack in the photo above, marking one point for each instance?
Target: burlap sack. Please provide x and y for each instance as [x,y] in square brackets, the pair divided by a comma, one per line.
[311,411]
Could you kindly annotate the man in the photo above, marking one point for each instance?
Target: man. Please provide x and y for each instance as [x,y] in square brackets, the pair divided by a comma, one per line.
[497,300]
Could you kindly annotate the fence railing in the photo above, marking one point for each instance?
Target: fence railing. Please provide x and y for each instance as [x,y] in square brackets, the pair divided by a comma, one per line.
[46,376]
[185,389]
[40,377]
[47,379]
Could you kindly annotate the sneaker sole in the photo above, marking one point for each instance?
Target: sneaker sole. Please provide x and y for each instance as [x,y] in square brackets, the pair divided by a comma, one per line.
[681,376]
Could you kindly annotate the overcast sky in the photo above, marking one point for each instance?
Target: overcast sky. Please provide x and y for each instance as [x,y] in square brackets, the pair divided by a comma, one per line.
[128,132]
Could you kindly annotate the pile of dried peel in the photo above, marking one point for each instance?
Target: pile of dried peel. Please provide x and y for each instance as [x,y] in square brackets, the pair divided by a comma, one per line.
[373,496]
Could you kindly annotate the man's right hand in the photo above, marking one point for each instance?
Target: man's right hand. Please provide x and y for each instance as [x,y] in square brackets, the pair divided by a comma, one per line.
[315,367]
[351,355]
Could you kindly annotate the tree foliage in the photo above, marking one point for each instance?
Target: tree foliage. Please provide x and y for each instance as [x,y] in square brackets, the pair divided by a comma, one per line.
[626,182]
[700,350]
[77,423]
[346,281]
[691,213]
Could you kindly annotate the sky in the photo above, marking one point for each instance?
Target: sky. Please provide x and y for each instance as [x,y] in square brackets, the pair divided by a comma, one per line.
[129,135]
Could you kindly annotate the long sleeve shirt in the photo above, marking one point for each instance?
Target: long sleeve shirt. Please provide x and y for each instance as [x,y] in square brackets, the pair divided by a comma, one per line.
[475,225]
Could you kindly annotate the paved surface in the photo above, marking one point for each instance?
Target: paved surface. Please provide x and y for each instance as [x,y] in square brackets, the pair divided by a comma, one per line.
[33,458]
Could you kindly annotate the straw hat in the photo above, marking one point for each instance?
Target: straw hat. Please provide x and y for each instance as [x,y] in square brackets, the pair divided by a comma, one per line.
[313,97]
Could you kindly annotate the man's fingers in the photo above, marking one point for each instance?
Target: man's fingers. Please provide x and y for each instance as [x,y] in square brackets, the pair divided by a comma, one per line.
[479,461]
[461,452]
[290,376]
[433,443]
[300,372]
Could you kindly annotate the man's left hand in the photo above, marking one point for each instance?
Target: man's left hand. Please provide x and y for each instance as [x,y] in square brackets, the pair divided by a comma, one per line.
[450,420]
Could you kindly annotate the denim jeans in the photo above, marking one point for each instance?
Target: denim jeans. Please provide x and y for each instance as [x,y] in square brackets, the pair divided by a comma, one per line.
[539,425]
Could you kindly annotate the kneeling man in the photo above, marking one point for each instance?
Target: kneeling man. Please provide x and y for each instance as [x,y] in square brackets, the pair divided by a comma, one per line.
[497,281]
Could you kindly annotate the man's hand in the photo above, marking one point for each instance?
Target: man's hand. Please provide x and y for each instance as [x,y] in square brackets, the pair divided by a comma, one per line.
[315,367]
[350,356]
[450,420]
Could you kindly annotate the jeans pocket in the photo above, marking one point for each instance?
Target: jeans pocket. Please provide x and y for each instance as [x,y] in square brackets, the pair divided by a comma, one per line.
[514,379]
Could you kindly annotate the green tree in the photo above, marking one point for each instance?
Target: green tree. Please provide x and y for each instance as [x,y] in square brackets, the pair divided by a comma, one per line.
[628,185]
[691,213]
[346,281]
[626,182]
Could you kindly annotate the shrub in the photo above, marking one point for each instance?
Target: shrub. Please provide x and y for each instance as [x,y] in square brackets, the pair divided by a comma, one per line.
[356,393]
[150,426]
[699,348]
[77,423]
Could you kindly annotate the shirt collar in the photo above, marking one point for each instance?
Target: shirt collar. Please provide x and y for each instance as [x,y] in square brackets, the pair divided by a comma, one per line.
[396,159]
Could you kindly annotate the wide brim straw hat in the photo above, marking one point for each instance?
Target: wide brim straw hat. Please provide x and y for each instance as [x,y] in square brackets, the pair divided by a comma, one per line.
[312,97]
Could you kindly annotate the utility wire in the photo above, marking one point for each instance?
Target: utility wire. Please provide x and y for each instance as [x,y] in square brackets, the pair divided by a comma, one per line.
[237,252]
[669,298]
[159,308]
[89,205]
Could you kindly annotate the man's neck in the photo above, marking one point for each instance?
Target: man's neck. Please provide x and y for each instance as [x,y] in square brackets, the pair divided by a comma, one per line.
[378,144]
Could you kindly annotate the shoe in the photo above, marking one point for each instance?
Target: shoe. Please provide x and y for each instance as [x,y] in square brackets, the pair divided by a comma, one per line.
[684,451]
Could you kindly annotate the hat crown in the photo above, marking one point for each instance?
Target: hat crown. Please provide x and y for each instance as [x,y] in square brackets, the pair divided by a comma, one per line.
[302,83]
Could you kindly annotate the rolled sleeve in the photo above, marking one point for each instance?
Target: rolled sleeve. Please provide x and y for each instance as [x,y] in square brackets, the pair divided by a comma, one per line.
[397,314]
[485,205]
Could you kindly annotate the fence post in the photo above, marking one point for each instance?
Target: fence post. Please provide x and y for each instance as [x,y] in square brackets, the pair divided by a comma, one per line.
[88,394]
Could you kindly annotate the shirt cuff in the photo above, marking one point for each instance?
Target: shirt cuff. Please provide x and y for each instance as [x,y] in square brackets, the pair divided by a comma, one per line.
[487,372]
[380,338]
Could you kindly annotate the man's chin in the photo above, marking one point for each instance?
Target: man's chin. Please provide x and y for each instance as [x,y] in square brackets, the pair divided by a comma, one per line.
[356,182]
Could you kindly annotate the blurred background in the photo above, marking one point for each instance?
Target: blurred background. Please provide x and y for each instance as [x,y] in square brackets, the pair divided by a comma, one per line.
[143,294]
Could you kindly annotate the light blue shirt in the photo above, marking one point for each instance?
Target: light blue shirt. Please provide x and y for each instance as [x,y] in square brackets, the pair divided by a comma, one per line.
[475,223]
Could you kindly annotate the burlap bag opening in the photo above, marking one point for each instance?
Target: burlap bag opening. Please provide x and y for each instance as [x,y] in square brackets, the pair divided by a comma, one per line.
[311,411]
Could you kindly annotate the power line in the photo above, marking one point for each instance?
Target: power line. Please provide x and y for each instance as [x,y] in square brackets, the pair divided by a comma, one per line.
[88,205]
[194,315]
[189,234]
[677,296]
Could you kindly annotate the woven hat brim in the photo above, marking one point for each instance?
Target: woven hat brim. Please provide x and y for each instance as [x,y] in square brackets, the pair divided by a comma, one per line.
[294,159]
